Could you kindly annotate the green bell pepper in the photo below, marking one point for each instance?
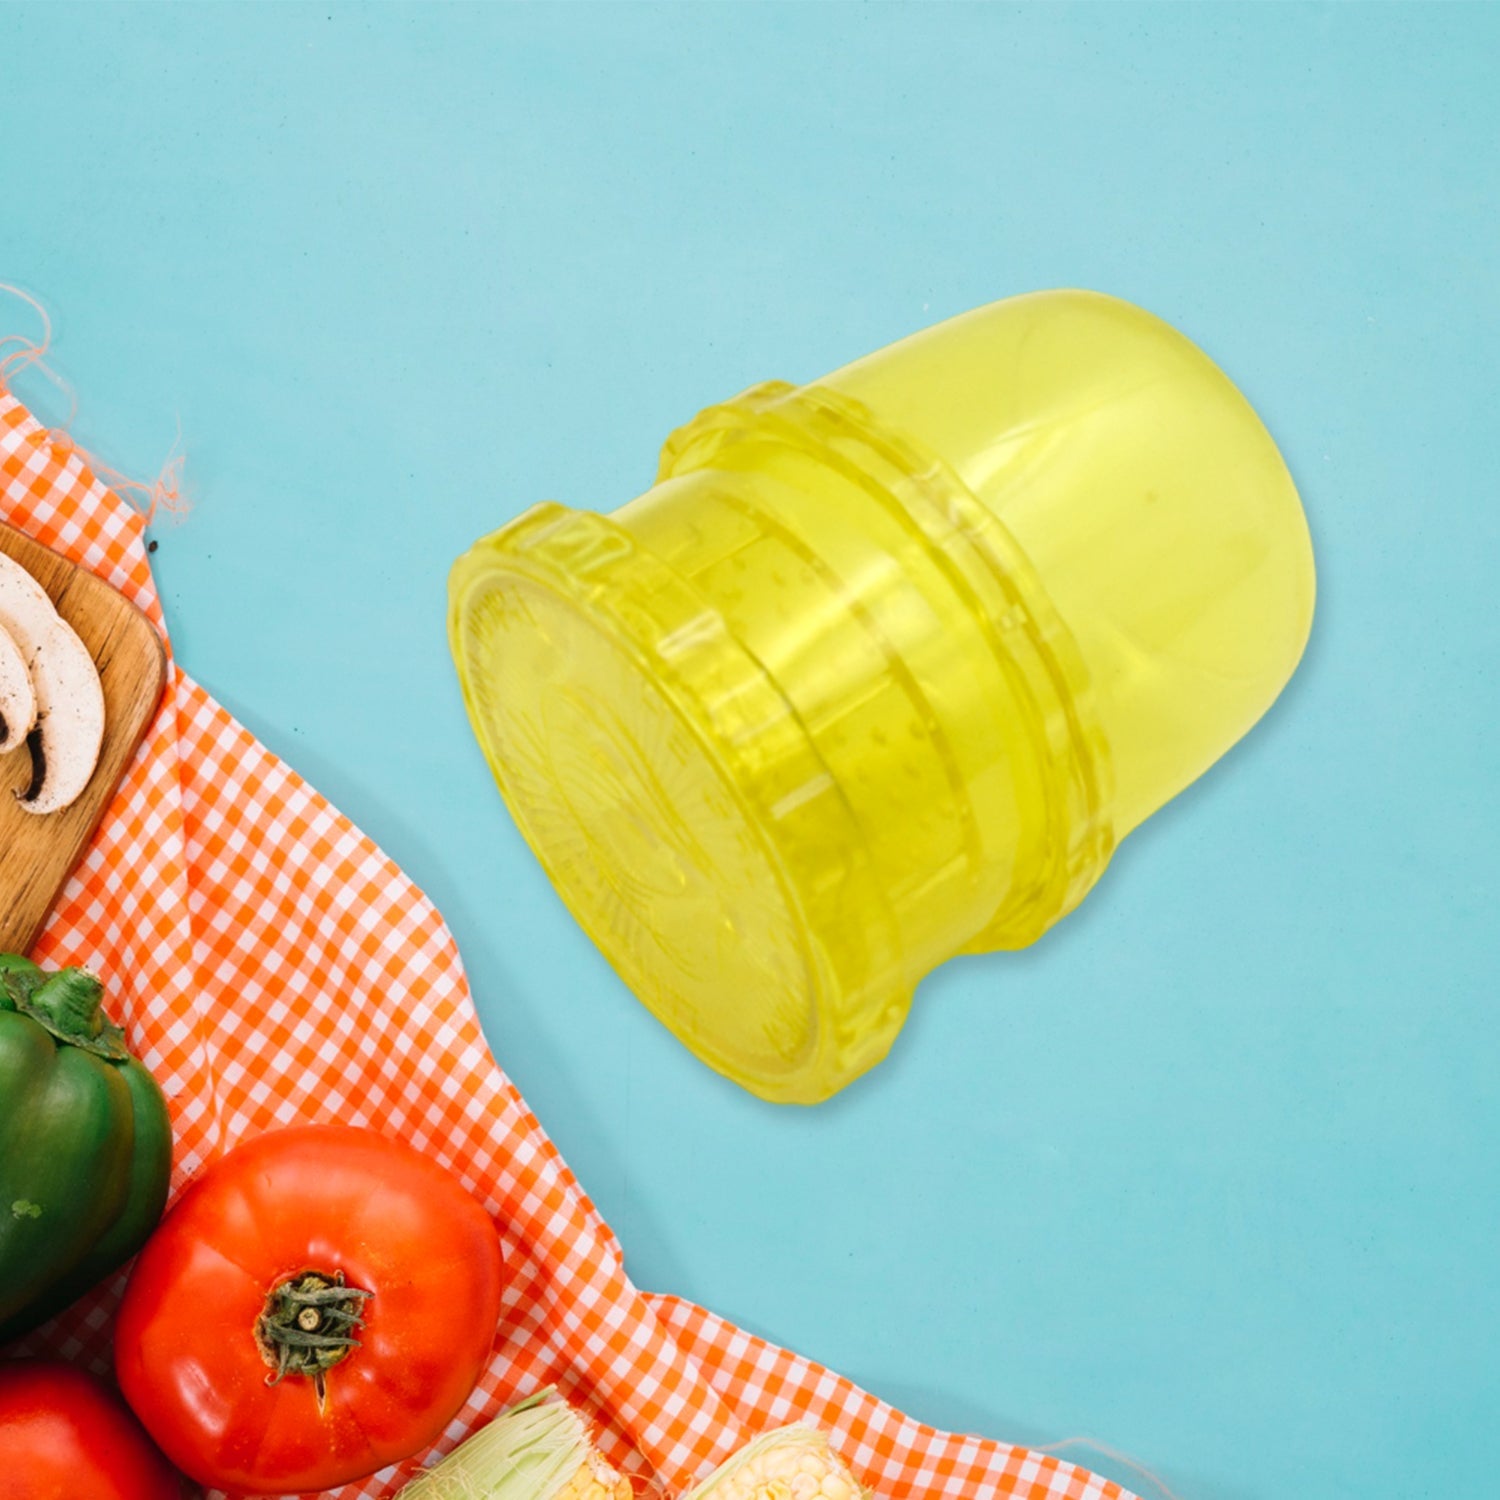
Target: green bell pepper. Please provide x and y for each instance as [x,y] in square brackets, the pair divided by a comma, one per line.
[85,1143]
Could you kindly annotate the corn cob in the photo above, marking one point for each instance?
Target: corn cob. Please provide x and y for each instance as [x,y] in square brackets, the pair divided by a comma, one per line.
[539,1449]
[789,1463]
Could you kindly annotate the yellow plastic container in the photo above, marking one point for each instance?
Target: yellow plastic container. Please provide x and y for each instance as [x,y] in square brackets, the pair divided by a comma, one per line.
[882,667]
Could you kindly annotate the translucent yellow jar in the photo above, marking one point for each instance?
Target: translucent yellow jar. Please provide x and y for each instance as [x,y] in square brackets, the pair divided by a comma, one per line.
[882,667]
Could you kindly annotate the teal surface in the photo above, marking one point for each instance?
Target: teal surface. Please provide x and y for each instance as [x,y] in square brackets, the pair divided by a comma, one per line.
[1213,1173]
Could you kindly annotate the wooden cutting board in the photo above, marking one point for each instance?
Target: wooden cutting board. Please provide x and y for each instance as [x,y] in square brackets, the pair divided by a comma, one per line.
[38,851]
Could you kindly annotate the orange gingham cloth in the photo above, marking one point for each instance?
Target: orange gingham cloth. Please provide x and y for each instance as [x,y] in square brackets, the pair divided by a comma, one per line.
[272,966]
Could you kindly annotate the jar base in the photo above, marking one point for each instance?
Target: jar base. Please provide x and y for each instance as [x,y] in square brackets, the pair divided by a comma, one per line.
[620,787]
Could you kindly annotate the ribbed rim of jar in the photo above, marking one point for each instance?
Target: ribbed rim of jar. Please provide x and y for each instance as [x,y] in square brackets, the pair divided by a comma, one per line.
[684,648]
[1022,627]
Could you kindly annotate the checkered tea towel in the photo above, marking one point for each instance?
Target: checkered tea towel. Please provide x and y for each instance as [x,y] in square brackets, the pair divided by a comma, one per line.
[224,902]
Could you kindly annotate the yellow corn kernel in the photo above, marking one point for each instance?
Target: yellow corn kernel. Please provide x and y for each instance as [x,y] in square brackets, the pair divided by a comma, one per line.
[596,1480]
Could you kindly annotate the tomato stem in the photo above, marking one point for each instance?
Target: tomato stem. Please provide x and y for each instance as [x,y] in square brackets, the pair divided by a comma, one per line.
[308,1325]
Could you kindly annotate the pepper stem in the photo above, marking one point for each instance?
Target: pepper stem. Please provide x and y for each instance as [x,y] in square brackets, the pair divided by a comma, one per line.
[68,1004]
[308,1325]
[70,1001]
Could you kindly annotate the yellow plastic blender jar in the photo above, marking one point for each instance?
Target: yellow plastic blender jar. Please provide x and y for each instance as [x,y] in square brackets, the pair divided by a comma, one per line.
[883,666]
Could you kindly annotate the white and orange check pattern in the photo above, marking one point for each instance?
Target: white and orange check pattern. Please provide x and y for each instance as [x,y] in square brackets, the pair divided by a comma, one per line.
[273,966]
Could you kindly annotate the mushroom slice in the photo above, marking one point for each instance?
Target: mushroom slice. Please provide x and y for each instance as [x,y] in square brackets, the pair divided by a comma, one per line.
[69,729]
[17,700]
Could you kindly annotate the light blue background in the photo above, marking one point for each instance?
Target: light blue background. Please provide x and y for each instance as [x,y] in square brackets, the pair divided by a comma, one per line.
[1210,1174]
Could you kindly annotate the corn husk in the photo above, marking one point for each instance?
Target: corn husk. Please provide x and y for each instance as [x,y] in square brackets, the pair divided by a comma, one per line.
[787,1463]
[539,1449]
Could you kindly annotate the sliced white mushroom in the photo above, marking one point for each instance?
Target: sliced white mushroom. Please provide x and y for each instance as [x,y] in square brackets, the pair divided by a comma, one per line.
[17,700]
[69,728]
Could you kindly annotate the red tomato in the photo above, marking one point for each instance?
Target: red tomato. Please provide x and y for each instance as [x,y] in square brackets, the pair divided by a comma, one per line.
[66,1436]
[291,1242]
